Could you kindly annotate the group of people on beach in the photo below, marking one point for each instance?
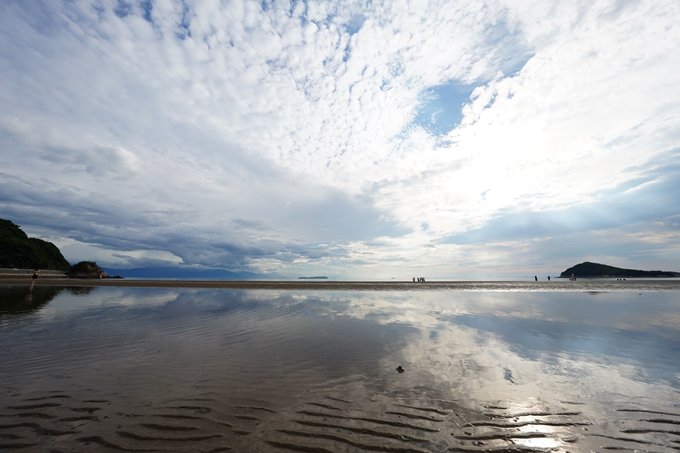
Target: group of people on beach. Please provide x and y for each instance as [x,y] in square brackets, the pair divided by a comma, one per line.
[419,279]
[572,278]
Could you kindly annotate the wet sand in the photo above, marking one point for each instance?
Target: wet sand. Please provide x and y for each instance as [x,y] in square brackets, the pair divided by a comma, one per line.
[322,423]
[192,369]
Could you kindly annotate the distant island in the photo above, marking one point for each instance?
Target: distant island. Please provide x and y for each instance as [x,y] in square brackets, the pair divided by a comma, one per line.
[320,277]
[595,270]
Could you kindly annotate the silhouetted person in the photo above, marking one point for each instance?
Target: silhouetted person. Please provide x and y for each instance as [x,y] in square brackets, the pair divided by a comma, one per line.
[536,277]
[548,277]
[36,272]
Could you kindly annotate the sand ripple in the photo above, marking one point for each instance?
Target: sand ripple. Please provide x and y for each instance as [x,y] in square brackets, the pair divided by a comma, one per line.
[325,423]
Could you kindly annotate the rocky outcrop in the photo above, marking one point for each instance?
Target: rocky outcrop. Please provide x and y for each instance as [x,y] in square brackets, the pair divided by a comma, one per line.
[86,269]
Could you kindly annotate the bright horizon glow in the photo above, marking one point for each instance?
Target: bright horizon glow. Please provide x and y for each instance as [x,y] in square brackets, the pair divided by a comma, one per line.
[491,139]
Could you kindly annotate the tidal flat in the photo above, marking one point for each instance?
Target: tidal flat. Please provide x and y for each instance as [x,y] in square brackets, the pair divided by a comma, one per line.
[502,367]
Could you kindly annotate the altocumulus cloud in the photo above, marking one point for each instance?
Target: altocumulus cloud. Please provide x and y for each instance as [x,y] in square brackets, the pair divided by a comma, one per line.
[297,137]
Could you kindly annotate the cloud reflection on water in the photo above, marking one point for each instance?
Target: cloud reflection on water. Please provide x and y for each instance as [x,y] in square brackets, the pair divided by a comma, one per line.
[483,345]
[144,349]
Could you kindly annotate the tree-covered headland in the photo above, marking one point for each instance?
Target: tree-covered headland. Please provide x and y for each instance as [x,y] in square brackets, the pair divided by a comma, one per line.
[19,251]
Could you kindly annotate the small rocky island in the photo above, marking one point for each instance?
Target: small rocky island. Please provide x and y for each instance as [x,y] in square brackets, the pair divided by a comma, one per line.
[595,270]
[86,269]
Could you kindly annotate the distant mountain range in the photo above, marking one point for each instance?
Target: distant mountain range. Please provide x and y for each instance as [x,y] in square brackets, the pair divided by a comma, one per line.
[595,270]
[191,274]
[19,251]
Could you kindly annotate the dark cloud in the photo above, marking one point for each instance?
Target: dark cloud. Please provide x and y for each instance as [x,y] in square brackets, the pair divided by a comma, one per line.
[324,222]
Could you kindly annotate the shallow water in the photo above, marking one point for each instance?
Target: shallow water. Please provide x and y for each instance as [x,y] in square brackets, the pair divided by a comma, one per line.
[178,369]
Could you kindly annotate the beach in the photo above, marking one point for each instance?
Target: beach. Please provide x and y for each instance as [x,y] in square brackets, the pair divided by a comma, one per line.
[130,365]
[388,285]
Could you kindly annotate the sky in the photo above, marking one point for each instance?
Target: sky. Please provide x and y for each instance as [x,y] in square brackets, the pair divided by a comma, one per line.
[353,139]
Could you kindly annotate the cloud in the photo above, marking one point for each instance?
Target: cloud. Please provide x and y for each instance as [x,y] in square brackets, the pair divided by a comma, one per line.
[648,196]
[98,161]
[245,134]
[313,222]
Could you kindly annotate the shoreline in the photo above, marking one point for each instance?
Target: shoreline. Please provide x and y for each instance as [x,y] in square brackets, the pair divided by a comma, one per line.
[325,285]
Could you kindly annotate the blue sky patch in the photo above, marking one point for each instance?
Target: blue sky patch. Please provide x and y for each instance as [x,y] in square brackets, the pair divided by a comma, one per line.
[442,107]
[146,10]
[123,9]
[355,23]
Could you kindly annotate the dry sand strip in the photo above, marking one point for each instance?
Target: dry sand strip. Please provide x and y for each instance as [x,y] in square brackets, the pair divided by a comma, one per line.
[325,285]
[28,273]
